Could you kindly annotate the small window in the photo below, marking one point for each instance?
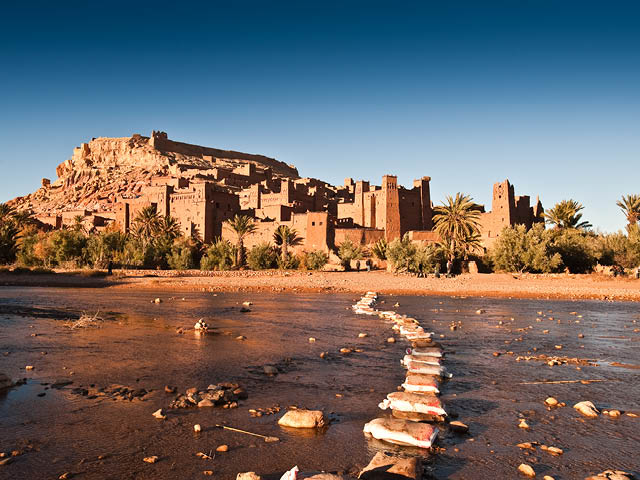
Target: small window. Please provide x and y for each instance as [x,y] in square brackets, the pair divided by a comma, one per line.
[217,204]
[320,223]
[313,224]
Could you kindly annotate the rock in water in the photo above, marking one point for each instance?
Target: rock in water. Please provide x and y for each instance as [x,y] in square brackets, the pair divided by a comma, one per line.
[551,402]
[197,428]
[248,476]
[222,448]
[302,419]
[205,403]
[159,414]
[587,409]
[402,432]
[612,475]
[151,459]
[269,370]
[389,466]
[527,470]
[458,427]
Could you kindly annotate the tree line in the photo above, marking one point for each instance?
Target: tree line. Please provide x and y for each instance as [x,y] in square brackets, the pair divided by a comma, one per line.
[155,241]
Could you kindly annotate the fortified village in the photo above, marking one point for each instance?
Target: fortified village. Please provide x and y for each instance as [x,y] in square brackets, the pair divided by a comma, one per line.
[109,180]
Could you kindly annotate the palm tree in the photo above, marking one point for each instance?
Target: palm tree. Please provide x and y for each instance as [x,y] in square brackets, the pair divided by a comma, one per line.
[457,221]
[7,212]
[146,224]
[242,225]
[379,249]
[78,224]
[169,227]
[630,206]
[566,214]
[286,237]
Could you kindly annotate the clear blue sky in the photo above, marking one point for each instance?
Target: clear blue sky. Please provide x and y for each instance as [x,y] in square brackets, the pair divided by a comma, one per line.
[543,93]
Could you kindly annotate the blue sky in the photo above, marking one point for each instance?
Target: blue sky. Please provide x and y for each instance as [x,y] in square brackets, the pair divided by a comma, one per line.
[543,93]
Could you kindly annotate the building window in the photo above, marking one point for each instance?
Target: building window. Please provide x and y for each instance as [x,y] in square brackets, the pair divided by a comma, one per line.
[320,223]
[217,205]
[313,224]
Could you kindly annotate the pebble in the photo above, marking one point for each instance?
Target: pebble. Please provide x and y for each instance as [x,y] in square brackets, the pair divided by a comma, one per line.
[197,428]
[345,350]
[157,300]
[480,311]
[65,476]
[587,409]
[391,340]
[205,402]
[523,424]
[324,354]
[458,427]
[612,413]
[222,448]
[270,370]
[159,414]
[312,340]
[555,451]
[151,459]
[548,477]
[527,470]
[29,367]
[169,389]
[551,402]
[207,473]
[362,335]
[241,337]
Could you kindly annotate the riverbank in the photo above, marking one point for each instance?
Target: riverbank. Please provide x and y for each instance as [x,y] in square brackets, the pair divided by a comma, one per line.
[501,285]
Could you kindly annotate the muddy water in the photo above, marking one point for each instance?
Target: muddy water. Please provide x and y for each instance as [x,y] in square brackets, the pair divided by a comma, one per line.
[138,346]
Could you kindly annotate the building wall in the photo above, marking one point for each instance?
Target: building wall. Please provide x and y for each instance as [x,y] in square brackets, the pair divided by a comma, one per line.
[358,235]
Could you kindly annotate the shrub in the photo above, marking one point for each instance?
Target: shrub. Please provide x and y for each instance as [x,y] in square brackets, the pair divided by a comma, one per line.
[219,255]
[262,257]
[292,262]
[576,248]
[379,249]
[519,250]
[183,254]
[104,247]
[400,253]
[348,251]
[315,260]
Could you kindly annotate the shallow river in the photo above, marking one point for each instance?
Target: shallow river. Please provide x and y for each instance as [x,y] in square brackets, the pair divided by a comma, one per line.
[138,346]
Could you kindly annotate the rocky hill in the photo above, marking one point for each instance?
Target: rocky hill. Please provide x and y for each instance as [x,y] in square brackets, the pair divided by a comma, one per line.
[105,169]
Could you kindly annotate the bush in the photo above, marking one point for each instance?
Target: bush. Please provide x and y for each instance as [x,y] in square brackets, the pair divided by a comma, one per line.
[519,250]
[348,251]
[379,249]
[104,247]
[262,257]
[315,260]
[400,253]
[291,263]
[183,254]
[576,248]
[219,255]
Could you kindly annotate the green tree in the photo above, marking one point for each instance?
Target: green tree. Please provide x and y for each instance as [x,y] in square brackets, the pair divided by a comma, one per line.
[183,254]
[348,251]
[262,257]
[566,214]
[242,225]
[219,255]
[104,247]
[168,227]
[285,237]
[520,250]
[457,224]
[630,206]
[379,249]
[315,260]
[146,224]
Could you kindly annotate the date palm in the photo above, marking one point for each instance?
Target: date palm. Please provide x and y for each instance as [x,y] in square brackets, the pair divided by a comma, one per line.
[630,206]
[169,227]
[146,224]
[286,237]
[566,214]
[242,225]
[7,212]
[457,223]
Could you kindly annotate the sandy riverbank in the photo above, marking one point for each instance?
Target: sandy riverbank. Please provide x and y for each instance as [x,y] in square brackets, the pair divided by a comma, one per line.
[490,285]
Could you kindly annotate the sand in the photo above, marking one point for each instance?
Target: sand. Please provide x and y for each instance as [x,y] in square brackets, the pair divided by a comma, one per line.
[558,286]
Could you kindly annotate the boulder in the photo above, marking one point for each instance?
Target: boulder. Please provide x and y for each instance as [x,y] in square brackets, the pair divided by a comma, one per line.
[302,419]
[390,467]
